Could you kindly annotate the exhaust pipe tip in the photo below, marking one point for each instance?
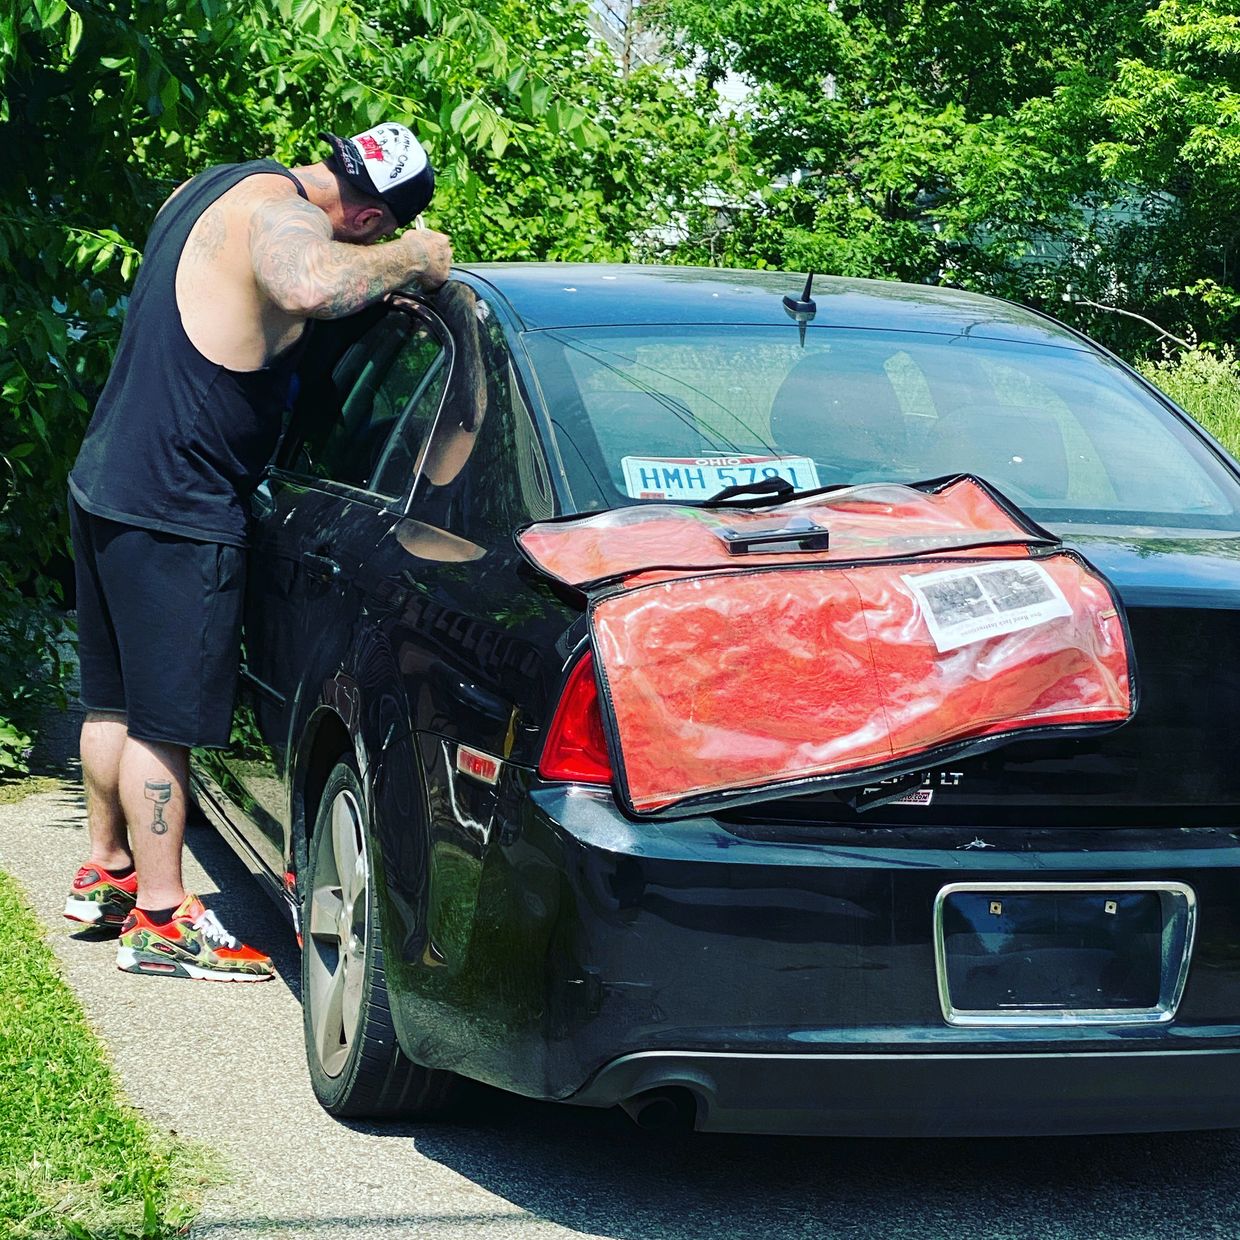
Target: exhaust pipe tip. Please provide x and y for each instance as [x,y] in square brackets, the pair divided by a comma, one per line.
[666,1111]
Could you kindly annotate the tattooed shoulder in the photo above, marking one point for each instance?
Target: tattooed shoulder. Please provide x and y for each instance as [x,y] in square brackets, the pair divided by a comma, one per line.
[276,213]
[210,235]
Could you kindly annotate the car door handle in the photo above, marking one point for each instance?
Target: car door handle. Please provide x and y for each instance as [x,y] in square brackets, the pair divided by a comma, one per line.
[321,565]
[262,500]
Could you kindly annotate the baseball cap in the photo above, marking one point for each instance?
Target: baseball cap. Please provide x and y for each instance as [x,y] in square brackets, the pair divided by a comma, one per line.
[389,163]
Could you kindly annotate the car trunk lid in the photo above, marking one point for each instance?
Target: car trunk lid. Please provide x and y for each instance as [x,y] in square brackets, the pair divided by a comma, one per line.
[1174,764]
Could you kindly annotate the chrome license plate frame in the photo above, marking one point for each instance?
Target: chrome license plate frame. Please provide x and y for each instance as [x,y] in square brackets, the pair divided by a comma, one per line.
[1179,926]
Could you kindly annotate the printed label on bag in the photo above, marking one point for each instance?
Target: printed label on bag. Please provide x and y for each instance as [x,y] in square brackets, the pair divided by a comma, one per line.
[970,604]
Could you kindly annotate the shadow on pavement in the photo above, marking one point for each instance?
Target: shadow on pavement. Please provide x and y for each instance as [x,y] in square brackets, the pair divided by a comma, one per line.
[386,1225]
[597,1173]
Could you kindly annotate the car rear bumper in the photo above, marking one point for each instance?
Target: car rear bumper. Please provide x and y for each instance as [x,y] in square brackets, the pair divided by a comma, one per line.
[919,1095]
[786,977]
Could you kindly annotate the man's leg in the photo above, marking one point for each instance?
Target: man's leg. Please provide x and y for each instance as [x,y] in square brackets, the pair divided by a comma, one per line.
[103,739]
[170,933]
[178,639]
[154,789]
[104,889]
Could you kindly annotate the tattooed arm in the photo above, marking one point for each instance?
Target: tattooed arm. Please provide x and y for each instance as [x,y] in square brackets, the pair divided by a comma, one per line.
[305,272]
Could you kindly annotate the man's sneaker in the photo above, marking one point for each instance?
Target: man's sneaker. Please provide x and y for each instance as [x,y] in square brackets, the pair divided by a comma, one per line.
[192,944]
[99,898]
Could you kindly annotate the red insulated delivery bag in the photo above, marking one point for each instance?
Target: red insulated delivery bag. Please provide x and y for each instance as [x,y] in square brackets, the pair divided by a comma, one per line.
[833,639]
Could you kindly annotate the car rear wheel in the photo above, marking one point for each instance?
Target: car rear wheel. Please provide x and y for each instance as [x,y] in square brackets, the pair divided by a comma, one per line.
[356,1065]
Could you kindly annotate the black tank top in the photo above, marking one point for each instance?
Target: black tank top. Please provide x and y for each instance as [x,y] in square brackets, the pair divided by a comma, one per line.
[177,443]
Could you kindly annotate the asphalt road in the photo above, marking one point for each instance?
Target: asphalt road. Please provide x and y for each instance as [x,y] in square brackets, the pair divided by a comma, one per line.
[223,1065]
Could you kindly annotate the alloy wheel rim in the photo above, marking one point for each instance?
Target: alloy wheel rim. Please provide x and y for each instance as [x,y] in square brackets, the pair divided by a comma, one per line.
[337,934]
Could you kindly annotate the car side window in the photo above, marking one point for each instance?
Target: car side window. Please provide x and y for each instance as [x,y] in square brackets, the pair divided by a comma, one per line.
[398,464]
[483,472]
[392,375]
[506,483]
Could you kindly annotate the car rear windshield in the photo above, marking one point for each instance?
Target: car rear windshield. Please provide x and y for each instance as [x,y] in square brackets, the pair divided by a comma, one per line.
[650,413]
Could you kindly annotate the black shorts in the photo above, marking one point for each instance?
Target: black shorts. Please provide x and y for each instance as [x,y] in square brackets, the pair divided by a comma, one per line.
[159,629]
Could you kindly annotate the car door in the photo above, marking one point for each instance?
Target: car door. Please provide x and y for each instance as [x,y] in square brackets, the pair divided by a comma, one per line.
[481,474]
[462,633]
[320,510]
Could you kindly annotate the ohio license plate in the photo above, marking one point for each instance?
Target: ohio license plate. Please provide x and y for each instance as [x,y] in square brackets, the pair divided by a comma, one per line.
[700,477]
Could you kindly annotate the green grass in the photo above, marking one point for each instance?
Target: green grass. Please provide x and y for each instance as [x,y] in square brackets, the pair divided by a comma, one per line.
[15,790]
[1207,385]
[74,1160]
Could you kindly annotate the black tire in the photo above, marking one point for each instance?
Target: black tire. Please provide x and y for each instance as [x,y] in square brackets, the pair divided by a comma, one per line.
[357,1068]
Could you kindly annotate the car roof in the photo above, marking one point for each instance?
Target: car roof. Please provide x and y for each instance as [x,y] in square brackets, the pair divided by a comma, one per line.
[554,295]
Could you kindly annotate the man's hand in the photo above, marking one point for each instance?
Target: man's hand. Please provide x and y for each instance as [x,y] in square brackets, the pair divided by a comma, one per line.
[434,251]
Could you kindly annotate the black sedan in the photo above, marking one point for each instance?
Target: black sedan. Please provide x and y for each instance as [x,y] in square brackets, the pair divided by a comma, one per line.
[1041,938]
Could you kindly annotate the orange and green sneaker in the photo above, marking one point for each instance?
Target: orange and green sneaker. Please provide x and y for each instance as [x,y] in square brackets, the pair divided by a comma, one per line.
[99,898]
[193,944]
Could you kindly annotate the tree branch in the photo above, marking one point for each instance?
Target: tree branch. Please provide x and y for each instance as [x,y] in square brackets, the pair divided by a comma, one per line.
[1163,333]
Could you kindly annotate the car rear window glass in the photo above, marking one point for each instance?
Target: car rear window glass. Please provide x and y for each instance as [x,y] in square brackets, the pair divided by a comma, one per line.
[1065,432]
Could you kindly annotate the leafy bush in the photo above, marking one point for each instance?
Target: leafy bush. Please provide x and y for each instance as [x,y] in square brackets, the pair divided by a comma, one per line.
[33,671]
[1205,384]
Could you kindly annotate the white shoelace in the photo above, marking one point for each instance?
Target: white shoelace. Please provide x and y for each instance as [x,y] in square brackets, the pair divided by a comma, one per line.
[210,925]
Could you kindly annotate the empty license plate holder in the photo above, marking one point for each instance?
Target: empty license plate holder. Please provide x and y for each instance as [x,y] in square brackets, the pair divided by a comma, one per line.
[1054,954]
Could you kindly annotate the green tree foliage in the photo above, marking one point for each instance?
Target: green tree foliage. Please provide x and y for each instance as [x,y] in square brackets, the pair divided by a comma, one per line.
[1172,128]
[1017,147]
[901,137]
[544,151]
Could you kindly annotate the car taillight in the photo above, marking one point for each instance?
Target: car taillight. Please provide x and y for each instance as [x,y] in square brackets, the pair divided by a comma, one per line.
[576,747]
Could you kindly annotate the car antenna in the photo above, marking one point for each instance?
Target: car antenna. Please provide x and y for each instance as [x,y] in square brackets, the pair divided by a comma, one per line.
[804,309]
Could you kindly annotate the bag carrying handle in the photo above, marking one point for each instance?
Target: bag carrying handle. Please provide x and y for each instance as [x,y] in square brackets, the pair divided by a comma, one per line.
[769,491]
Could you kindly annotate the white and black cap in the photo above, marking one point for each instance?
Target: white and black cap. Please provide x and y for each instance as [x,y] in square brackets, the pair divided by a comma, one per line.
[389,163]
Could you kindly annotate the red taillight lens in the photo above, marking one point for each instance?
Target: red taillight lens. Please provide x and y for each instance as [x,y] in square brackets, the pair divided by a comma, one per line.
[576,748]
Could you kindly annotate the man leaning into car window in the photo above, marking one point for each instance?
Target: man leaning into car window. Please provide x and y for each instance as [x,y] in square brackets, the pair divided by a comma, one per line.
[239,258]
